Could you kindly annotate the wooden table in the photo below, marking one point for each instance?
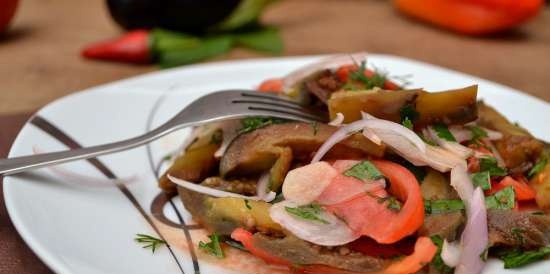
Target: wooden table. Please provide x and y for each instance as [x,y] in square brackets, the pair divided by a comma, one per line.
[39,60]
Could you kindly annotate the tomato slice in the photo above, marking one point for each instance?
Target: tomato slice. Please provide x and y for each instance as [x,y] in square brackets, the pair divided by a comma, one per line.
[271,85]
[424,250]
[368,216]
[523,191]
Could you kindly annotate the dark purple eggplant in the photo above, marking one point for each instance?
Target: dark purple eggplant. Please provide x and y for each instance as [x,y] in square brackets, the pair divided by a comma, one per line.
[193,16]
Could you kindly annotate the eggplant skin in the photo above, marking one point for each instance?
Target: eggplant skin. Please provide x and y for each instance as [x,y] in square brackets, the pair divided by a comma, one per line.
[180,15]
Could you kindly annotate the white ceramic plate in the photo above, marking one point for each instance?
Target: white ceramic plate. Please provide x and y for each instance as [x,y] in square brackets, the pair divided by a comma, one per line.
[78,227]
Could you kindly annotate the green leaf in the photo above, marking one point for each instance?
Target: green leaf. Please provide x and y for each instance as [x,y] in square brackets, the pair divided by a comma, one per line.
[165,40]
[252,123]
[247,12]
[393,203]
[247,204]
[516,258]
[504,199]
[443,132]
[208,48]
[149,241]
[364,170]
[307,212]
[482,179]
[376,80]
[490,164]
[539,166]
[213,247]
[408,111]
[442,206]
[477,133]
[437,262]
[407,123]
[265,39]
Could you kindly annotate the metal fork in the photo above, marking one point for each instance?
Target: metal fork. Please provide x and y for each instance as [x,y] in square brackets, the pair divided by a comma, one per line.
[213,107]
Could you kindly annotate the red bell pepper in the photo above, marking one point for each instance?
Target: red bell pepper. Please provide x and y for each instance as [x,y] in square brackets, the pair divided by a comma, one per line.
[424,250]
[132,47]
[367,216]
[523,191]
[474,17]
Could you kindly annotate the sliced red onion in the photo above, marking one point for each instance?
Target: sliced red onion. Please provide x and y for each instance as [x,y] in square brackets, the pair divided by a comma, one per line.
[304,184]
[442,160]
[338,120]
[230,129]
[462,183]
[262,188]
[330,62]
[381,128]
[474,239]
[454,147]
[332,233]
[369,134]
[462,134]
[450,253]
[212,191]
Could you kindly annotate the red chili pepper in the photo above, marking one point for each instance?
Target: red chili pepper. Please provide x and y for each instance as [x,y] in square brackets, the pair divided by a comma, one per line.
[343,73]
[475,17]
[132,47]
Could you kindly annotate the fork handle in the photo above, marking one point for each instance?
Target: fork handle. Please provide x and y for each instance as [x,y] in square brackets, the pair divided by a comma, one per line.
[24,163]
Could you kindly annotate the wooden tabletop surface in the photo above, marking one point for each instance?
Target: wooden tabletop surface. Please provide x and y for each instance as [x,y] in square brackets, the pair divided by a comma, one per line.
[39,60]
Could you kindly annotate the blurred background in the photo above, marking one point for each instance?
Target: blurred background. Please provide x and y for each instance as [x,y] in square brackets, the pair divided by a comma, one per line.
[51,48]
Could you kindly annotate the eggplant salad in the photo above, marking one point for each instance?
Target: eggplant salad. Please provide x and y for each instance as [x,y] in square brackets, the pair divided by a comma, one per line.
[400,180]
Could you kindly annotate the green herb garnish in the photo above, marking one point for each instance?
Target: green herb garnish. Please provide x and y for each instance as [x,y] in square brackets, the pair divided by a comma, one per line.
[437,262]
[539,166]
[517,232]
[213,247]
[217,137]
[442,206]
[482,179]
[504,199]
[516,258]
[149,241]
[315,127]
[408,111]
[407,123]
[252,123]
[364,171]
[477,134]
[307,212]
[376,80]
[393,203]
[490,164]
[247,204]
[443,132]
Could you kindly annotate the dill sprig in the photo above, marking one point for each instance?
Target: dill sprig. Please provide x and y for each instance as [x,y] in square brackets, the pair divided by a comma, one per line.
[148,241]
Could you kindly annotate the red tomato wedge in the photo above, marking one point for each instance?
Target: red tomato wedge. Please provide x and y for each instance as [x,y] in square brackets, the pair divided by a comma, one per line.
[271,85]
[368,216]
[523,191]
[424,250]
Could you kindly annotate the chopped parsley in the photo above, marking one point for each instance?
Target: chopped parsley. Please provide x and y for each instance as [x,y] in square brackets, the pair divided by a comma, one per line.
[149,241]
[437,261]
[504,199]
[539,166]
[442,206]
[515,258]
[376,80]
[477,134]
[408,111]
[247,204]
[443,132]
[252,123]
[407,123]
[393,204]
[482,179]
[364,170]
[490,164]
[517,232]
[350,86]
[307,212]
[213,247]
[315,127]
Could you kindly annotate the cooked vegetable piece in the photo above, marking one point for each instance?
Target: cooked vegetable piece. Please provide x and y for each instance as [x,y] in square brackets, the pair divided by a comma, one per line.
[213,247]
[257,151]
[490,165]
[449,107]
[520,229]
[541,184]
[279,169]
[518,148]
[435,186]
[196,163]
[223,215]
[437,262]
[522,190]
[445,225]
[286,252]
